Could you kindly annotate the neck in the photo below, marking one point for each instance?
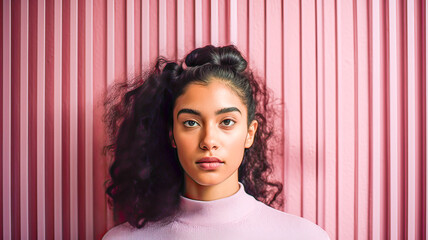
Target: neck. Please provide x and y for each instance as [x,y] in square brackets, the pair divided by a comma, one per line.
[209,192]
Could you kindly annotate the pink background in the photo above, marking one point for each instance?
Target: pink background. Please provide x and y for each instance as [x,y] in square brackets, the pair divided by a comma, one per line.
[352,75]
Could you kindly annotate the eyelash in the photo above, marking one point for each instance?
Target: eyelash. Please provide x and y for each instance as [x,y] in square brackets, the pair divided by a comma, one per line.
[188,122]
[185,122]
[230,121]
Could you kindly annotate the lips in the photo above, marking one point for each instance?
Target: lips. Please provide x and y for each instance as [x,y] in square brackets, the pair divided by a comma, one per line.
[209,160]
[209,163]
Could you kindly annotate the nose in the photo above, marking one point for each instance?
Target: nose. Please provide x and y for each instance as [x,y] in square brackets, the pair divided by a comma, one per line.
[209,139]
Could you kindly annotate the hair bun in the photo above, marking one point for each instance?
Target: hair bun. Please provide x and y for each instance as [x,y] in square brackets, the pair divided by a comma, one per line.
[173,68]
[227,56]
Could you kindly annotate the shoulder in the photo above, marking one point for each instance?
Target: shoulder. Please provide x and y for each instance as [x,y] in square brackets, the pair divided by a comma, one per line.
[122,231]
[293,226]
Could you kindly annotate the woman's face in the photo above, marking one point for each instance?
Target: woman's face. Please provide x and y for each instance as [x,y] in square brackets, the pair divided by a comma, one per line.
[211,121]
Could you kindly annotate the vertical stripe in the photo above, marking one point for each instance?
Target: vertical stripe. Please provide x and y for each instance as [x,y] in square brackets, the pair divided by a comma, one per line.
[145,31]
[356,123]
[393,121]
[346,119]
[376,124]
[292,183]
[110,68]
[171,29]
[41,200]
[57,119]
[24,121]
[32,117]
[223,22]
[330,115]
[363,120]
[100,161]
[214,22]
[233,26]
[426,120]
[130,39]
[417,120]
[273,72]
[180,29]
[198,23]
[89,119]
[120,40]
[284,108]
[284,100]
[242,25]
[110,41]
[411,128]
[189,26]
[363,164]
[256,35]
[340,177]
[308,110]
[7,82]
[137,37]
[301,180]
[336,115]
[73,119]
[162,28]
[320,146]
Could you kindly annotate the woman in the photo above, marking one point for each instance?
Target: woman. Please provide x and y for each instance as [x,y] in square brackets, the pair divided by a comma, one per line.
[191,155]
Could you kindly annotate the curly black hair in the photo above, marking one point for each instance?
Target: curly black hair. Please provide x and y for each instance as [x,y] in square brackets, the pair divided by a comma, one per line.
[146,176]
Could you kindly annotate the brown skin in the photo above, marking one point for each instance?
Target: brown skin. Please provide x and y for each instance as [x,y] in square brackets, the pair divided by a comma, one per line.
[210,134]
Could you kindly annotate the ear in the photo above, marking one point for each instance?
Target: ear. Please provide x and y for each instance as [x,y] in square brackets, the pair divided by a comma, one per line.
[171,138]
[252,129]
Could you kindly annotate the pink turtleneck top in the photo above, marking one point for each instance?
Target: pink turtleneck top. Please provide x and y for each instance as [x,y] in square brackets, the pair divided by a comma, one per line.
[239,216]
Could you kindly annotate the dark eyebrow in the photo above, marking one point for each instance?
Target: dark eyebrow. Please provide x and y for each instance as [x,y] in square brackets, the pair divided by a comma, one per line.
[226,110]
[218,112]
[188,110]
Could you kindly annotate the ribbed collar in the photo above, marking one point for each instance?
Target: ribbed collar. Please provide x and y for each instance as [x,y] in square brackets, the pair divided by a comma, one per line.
[215,212]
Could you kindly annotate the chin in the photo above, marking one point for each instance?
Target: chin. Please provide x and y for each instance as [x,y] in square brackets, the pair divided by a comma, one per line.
[208,180]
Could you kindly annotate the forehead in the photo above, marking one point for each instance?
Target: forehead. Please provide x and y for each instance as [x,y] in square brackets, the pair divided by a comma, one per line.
[209,98]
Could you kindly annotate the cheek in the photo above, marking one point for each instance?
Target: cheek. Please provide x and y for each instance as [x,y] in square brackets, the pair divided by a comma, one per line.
[185,144]
[237,136]
[233,141]
[182,137]
[234,144]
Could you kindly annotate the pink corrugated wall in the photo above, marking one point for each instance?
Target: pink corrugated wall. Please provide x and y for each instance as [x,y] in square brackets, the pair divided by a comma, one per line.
[352,75]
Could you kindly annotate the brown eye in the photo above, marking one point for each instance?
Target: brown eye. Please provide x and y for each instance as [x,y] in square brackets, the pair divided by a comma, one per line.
[190,123]
[228,122]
